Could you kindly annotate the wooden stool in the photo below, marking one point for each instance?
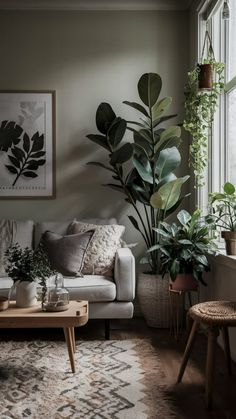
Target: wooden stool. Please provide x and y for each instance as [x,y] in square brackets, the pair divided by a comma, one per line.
[217,315]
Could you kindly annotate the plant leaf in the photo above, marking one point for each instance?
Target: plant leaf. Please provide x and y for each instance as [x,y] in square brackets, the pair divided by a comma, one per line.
[18,153]
[30,174]
[184,217]
[116,132]
[168,160]
[10,133]
[104,117]
[123,154]
[100,140]
[149,87]
[144,171]
[11,169]
[134,222]
[159,121]
[229,188]
[168,195]
[160,107]
[38,142]
[14,161]
[26,142]
[137,106]
[38,154]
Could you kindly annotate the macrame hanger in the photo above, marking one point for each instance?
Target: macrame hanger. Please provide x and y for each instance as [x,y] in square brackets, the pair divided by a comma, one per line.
[210,49]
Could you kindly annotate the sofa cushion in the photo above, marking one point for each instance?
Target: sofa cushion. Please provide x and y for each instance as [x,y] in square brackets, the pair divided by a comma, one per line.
[100,255]
[91,287]
[66,253]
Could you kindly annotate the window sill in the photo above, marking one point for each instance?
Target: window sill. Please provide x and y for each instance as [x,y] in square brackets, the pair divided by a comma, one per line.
[222,259]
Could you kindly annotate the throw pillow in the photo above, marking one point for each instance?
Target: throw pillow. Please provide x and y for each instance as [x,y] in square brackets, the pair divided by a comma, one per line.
[100,256]
[66,253]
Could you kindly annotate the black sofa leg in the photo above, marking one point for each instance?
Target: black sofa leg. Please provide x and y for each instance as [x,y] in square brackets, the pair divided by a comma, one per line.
[107,329]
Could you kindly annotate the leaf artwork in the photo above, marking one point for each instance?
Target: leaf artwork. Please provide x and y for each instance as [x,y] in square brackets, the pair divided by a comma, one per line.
[25,160]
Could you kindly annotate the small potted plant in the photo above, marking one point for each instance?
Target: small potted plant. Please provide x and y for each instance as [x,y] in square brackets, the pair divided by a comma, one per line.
[184,248]
[27,268]
[223,214]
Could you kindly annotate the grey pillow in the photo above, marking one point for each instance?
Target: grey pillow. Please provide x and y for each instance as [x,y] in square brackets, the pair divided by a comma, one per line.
[66,253]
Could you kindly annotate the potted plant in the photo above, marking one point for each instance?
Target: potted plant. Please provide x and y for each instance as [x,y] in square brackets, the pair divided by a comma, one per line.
[223,209]
[184,248]
[27,267]
[143,169]
[204,85]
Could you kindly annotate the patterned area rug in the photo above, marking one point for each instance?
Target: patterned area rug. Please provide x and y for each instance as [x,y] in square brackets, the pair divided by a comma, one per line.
[111,382]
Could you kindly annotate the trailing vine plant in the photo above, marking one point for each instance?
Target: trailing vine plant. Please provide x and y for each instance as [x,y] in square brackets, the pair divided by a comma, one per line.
[200,108]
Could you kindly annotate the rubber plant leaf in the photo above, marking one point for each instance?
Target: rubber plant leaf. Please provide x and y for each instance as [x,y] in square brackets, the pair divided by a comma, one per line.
[160,107]
[100,140]
[116,132]
[169,159]
[149,88]
[122,155]
[104,117]
[144,171]
[137,106]
[168,195]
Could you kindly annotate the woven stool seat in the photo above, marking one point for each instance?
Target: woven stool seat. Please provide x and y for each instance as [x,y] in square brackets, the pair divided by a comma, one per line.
[215,312]
[217,316]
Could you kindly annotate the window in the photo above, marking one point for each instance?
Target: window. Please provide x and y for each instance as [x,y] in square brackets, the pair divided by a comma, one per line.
[222,143]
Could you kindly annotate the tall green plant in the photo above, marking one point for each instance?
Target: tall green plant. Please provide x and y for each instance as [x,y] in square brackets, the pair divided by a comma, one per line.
[150,182]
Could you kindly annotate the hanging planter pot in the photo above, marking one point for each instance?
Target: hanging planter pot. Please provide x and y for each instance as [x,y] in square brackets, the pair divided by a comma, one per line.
[205,77]
[184,282]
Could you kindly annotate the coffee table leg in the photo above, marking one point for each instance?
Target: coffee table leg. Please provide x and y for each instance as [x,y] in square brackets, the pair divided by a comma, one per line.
[70,347]
[72,331]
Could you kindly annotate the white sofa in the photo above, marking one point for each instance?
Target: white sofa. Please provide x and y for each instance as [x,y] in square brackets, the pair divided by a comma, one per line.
[109,298]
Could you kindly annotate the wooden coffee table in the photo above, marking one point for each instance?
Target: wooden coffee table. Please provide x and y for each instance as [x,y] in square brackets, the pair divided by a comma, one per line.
[34,317]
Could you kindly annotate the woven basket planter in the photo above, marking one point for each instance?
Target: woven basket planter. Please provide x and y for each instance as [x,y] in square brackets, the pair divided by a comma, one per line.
[154,300]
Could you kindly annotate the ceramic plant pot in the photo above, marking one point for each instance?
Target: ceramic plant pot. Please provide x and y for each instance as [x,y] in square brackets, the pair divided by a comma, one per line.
[153,296]
[26,294]
[205,77]
[184,282]
[230,242]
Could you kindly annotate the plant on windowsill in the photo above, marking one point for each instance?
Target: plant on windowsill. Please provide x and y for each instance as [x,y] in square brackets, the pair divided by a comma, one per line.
[184,248]
[27,268]
[143,170]
[223,214]
[201,99]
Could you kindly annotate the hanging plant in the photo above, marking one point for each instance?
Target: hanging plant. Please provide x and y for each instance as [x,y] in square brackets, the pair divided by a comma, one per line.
[204,85]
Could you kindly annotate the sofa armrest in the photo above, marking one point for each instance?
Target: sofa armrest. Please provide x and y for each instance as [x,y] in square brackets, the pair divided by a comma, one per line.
[124,274]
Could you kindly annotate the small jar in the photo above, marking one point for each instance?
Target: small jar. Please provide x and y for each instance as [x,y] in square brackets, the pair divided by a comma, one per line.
[57,296]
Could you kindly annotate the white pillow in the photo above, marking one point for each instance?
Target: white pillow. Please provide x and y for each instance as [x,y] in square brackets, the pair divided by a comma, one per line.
[100,255]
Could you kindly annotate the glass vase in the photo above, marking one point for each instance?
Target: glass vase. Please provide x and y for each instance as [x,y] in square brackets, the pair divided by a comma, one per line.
[57,296]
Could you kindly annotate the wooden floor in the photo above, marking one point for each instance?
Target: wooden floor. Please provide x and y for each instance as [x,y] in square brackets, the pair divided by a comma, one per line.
[188,397]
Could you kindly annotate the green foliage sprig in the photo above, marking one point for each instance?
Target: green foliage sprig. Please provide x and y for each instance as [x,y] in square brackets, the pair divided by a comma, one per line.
[184,247]
[223,207]
[200,108]
[27,264]
[147,180]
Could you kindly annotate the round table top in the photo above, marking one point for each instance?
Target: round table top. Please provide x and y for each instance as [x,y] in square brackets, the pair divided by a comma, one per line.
[215,312]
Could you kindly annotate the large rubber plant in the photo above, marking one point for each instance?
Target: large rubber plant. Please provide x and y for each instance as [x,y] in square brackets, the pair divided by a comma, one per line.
[143,169]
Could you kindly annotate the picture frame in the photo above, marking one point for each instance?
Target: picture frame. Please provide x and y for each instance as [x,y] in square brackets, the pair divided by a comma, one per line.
[27,144]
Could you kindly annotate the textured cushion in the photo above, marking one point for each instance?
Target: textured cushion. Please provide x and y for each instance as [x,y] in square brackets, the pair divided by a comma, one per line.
[100,256]
[66,253]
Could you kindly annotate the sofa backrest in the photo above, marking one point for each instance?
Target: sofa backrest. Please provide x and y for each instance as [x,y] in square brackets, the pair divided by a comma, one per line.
[24,233]
[61,227]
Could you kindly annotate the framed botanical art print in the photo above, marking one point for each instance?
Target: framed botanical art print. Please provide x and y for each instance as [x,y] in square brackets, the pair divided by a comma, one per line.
[27,144]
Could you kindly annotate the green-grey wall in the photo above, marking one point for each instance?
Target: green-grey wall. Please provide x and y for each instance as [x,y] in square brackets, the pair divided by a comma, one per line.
[89,57]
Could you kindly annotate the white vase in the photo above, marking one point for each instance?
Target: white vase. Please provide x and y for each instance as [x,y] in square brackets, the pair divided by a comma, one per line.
[154,299]
[26,294]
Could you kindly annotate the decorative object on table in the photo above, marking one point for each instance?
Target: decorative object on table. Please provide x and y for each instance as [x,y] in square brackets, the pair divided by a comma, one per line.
[26,267]
[100,254]
[204,86]
[4,303]
[130,380]
[184,248]
[27,140]
[153,156]
[223,215]
[56,297]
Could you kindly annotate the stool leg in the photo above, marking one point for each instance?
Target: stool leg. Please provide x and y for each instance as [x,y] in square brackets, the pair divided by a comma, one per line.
[187,350]
[225,334]
[213,332]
